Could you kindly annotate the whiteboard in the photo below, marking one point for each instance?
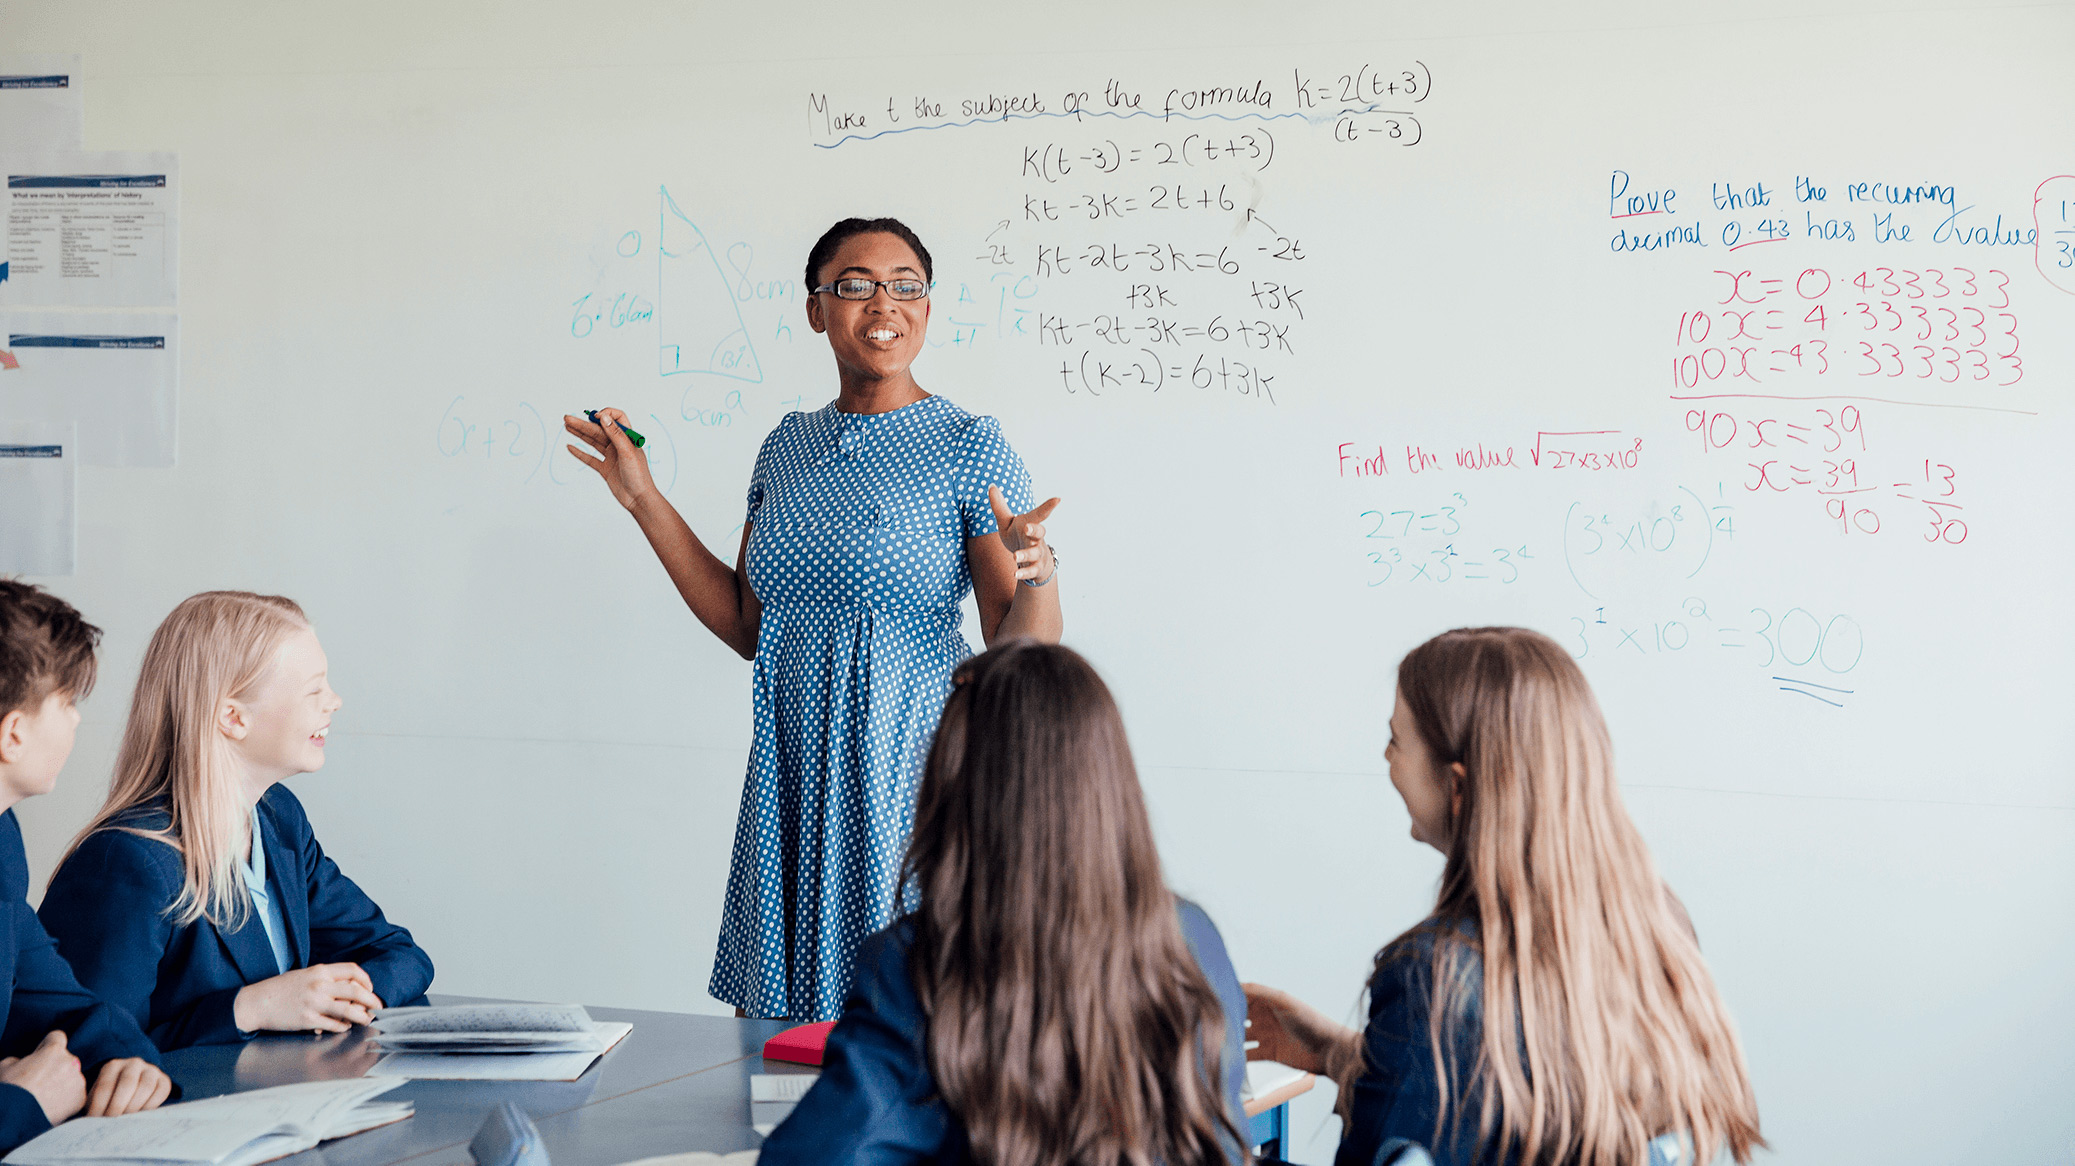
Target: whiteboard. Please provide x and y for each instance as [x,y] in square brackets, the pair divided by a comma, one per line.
[1334,329]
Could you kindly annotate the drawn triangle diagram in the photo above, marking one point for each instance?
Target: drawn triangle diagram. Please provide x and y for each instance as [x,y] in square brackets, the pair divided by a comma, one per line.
[698,323]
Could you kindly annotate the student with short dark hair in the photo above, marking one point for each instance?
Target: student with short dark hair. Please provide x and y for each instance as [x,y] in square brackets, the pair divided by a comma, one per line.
[1554,1008]
[1044,1000]
[57,1035]
[198,898]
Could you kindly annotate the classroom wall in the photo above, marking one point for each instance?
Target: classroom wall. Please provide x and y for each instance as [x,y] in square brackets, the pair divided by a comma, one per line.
[413,235]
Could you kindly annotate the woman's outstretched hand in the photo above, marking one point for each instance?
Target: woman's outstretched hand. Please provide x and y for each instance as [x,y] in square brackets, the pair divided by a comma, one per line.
[1024,535]
[1282,1028]
[624,468]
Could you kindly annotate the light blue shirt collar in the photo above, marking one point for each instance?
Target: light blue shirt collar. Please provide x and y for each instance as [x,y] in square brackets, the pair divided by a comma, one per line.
[254,869]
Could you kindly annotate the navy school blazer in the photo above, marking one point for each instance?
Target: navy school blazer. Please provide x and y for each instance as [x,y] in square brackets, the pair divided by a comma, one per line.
[876,1102]
[1398,1095]
[106,907]
[38,993]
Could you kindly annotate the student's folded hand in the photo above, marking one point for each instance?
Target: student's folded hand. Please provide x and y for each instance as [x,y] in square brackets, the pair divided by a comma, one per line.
[129,1085]
[51,1075]
[320,998]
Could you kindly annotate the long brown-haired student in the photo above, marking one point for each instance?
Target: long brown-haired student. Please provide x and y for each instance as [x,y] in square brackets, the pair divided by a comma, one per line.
[1554,1007]
[1044,999]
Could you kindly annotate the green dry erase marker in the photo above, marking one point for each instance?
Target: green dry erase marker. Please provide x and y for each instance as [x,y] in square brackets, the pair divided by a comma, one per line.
[632,436]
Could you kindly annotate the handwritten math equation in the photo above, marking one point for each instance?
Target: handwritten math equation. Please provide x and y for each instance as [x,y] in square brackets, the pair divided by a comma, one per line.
[1731,214]
[1176,314]
[1673,537]
[2053,216]
[1244,149]
[518,441]
[1096,206]
[1130,247]
[1582,450]
[1097,373]
[1946,325]
[1124,332]
[1367,101]
[1896,291]
[1796,651]
[1427,545]
[1817,451]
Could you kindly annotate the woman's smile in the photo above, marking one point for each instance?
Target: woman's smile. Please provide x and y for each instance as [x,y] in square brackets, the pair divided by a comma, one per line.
[874,340]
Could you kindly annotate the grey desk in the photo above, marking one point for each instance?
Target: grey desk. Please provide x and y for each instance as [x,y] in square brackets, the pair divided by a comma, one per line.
[678,1082]
[698,1111]
[648,1088]
[708,1111]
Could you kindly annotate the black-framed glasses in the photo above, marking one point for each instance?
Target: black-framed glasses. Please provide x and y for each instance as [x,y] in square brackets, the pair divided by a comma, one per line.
[865,289]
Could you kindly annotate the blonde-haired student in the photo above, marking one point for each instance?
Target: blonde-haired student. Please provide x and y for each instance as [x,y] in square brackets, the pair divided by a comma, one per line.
[1554,1007]
[198,898]
[57,1036]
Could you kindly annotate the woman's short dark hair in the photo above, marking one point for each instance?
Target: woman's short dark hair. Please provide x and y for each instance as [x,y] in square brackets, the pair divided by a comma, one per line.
[848,229]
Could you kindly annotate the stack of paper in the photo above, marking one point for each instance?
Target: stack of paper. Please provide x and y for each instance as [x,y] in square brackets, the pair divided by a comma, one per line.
[772,1097]
[702,1158]
[1264,1078]
[81,230]
[39,473]
[493,1042]
[237,1129]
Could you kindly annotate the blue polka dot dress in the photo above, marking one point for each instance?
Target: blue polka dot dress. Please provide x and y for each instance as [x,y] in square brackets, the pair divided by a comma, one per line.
[857,539]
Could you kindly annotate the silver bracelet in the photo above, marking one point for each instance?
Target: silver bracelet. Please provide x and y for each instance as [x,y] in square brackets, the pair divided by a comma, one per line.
[1048,578]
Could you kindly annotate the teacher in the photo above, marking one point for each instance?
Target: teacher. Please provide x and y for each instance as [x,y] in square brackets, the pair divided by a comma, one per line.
[869,520]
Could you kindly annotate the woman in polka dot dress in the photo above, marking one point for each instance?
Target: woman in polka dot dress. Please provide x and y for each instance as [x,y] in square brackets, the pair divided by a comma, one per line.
[869,520]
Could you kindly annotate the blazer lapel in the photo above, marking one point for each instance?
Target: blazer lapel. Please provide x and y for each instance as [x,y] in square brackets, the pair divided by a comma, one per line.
[248,949]
[284,880]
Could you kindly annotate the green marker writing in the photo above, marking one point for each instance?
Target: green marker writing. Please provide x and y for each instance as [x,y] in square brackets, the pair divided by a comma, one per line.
[632,436]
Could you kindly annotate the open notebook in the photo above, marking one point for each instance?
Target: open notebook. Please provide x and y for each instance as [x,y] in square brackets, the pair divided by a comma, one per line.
[237,1129]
